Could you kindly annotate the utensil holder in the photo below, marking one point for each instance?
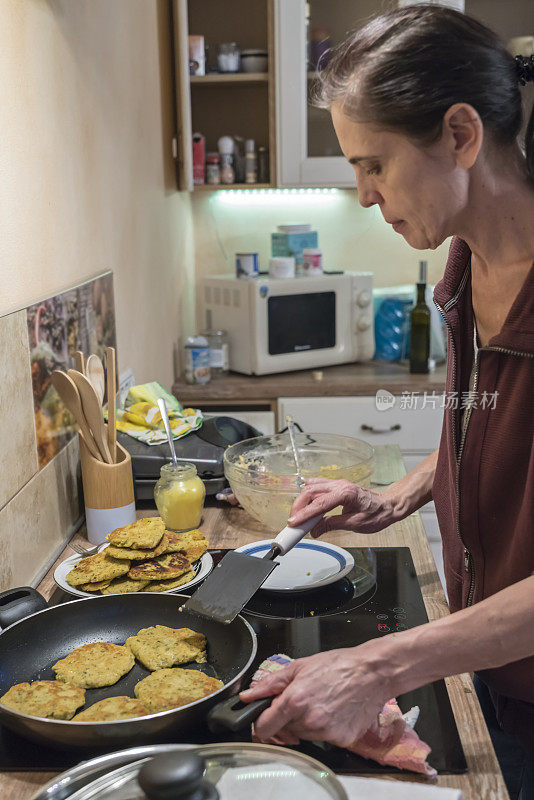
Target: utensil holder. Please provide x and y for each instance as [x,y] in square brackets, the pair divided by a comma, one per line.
[108,493]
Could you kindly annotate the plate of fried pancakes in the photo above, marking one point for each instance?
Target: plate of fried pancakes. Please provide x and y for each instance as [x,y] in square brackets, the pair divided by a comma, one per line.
[140,557]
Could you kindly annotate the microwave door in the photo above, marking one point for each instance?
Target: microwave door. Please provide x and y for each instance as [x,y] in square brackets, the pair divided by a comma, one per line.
[299,323]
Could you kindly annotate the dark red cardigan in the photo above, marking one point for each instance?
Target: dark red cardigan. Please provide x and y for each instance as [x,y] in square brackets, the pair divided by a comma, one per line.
[485,499]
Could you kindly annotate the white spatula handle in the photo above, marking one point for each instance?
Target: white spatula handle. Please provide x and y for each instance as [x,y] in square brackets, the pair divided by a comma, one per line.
[289,537]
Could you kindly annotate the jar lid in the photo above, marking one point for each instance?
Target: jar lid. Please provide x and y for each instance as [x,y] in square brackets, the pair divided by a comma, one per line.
[282,261]
[183,469]
[212,157]
[260,52]
[229,771]
[294,228]
[196,341]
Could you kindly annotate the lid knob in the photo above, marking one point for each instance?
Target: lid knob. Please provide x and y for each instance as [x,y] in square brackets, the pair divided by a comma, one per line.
[176,776]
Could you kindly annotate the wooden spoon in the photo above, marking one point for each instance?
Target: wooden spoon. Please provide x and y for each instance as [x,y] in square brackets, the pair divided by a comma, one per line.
[95,373]
[112,401]
[66,388]
[79,361]
[92,411]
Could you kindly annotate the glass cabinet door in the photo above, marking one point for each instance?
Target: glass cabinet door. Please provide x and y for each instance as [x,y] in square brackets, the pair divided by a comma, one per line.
[308,153]
[308,150]
[328,22]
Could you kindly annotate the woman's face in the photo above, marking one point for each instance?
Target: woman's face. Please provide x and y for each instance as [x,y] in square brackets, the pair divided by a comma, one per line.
[421,191]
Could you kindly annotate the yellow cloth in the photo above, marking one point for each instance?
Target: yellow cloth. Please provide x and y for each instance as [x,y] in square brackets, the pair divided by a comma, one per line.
[141,418]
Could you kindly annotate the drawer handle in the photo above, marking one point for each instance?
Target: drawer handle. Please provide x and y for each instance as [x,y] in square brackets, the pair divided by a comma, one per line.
[372,429]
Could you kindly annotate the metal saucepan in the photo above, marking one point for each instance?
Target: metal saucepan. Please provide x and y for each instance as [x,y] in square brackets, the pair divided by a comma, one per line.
[29,648]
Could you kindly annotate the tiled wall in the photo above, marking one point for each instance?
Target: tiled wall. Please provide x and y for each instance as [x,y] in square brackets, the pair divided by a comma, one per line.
[38,509]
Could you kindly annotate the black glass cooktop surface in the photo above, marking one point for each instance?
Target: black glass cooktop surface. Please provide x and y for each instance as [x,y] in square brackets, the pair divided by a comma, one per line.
[380,595]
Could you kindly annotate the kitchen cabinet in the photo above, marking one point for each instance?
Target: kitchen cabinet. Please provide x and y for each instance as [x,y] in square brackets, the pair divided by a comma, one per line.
[416,431]
[275,107]
[223,104]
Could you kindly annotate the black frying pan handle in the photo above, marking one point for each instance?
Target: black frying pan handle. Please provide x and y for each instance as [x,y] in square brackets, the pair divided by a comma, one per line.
[17,604]
[232,714]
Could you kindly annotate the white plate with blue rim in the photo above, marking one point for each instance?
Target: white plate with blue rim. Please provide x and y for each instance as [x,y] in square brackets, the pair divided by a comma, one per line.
[309,565]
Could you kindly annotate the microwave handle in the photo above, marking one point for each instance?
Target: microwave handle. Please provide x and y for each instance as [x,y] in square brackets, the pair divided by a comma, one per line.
[372,429]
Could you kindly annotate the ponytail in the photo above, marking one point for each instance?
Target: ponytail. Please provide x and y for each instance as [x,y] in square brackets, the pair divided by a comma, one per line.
[525,73]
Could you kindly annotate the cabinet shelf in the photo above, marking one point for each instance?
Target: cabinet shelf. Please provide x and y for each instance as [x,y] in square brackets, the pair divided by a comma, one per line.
[229,77]
[208,187]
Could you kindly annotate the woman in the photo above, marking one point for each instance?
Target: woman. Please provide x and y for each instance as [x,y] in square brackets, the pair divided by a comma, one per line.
[426,106]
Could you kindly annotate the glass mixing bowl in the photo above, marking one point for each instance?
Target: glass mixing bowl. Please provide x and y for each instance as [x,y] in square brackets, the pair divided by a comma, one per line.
[263,476]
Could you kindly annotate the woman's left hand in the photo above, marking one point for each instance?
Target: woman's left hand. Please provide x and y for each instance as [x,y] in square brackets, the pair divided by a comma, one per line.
[333,696]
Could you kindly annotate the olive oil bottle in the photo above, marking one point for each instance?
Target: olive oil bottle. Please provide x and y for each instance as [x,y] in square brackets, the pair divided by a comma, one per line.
[420,327]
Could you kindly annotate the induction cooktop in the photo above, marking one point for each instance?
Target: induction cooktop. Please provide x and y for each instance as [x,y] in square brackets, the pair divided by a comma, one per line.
[379,596]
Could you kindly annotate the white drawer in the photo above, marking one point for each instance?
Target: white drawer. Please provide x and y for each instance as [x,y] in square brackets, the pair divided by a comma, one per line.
[414,430]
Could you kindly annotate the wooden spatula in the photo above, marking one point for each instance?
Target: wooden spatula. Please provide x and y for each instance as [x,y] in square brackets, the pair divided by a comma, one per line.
[95,373]
[79,361]
[92,411]
[67,390]
[111,368]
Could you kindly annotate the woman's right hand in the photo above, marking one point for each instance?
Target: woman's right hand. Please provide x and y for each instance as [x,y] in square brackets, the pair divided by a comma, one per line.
[363,510]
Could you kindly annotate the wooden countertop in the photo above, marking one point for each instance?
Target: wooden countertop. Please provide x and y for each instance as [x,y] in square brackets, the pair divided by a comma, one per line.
[345,380]
[226,526]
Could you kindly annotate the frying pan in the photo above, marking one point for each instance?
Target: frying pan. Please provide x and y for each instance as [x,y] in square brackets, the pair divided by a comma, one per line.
[29,647]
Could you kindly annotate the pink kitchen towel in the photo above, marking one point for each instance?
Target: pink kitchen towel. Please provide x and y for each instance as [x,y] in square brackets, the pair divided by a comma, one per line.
[393,741]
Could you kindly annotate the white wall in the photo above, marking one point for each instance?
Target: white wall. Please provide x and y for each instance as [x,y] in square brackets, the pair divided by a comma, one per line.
[86,175]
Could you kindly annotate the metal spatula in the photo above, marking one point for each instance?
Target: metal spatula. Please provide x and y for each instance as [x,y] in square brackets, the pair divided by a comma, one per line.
[238,577]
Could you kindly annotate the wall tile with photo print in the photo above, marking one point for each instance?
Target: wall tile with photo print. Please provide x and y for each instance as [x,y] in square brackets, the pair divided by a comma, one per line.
[83,319]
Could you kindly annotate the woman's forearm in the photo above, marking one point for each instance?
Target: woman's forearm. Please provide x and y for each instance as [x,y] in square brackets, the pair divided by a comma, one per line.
[491,633]
[414,490]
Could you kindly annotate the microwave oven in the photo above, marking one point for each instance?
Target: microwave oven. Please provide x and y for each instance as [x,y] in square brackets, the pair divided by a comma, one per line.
[278,325]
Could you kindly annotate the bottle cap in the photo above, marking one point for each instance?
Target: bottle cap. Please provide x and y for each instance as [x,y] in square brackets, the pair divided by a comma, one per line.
[422,271]
[226,145]
[249,145]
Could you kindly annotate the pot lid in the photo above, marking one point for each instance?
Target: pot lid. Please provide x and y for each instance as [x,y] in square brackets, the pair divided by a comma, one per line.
[229,771]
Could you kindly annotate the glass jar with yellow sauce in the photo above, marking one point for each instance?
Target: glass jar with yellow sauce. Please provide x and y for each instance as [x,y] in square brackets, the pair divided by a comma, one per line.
[179,495]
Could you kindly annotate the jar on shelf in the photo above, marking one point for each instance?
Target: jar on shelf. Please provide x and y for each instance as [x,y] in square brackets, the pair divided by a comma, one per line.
[196,360]
[226,147]
[263,165]
[213,169]
[228,58]
[179,495]
[251,164]
[219,352]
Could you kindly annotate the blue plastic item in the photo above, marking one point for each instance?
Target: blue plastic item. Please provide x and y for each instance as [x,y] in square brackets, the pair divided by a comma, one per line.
[392,329]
